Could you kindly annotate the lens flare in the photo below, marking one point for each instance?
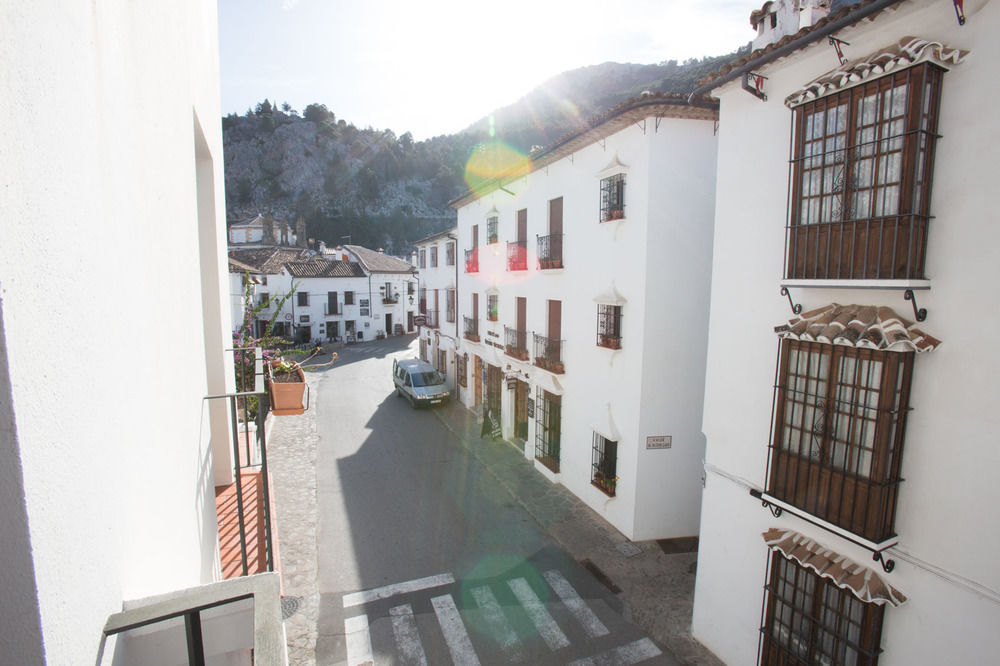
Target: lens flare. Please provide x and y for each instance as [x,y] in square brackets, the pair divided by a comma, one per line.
[492,160]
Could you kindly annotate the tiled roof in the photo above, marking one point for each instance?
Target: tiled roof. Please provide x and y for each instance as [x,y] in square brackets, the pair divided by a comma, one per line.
[864,326]
[757,14]
[844,572]
[440,234]
[269,260]
[325,268]
[378,262]
[837,11]
[906,51]
[236,266]
[660,105]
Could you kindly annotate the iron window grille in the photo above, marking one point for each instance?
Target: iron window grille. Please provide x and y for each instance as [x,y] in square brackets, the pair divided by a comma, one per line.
[604,464]
[492,223]
[860,179]
[422,298]
[612,197]
[609,326]
[548,354]
[548,412]
[302,298]
[550,251]
[806,619]
[838,430]
[471,329]
[449,254]
[434,257]
[472,260]
[450,305]
[516,343]
[461,368]
[517,255]
[492,306]
[410,287]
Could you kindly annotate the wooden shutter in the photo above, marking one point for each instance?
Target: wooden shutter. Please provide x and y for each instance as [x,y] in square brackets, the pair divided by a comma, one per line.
[556,216]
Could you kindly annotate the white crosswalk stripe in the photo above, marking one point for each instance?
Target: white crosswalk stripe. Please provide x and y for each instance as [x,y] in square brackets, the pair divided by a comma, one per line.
[404,627]
[491,622]
[577,606]
[455,634]
[546,626]
[497,621]
[359,641]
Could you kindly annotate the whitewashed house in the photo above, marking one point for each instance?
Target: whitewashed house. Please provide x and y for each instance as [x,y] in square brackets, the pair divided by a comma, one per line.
[264,231]
[437,262]
[110,450]
[851,509]
[391,283]
[583,296]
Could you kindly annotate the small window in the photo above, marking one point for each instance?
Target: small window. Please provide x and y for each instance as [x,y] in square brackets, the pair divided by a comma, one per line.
[613,197]
[303,298]
[348,298]
[492,223]
[604,465]
[264,298]
[774,20]
[609,326]
[461,368]
[492,306]
[809,620]
[449,253]
[434,257]
[422,259]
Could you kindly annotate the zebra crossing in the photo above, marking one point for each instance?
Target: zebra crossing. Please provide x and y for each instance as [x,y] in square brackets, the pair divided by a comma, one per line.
[487,624]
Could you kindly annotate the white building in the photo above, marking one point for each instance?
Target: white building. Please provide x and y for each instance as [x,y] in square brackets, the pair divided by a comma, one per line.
[109,451]
[875,442]
[265,231]
[436,260]
[583,297]
[392,282]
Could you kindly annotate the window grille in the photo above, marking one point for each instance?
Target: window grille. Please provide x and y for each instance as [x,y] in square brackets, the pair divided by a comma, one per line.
[492,306]
[860,179]
[609,326]
[613,197]
[550,251]
[491,229]
[422,259]
[548,410]
[461,367]
[434,257]
[838,430]
[807,619]
[449,253]
[604,464]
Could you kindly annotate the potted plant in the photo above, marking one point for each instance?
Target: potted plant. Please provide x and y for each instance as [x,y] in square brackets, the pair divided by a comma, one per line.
[286,387]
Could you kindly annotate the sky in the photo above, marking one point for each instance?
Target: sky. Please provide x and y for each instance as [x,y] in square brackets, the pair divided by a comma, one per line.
[437,66]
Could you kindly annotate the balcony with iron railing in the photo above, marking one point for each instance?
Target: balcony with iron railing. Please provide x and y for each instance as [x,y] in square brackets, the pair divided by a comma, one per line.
[550,251]
[332,309]
[431,318]
[517,255]
[472,260]
[548,354]
[470,329]
[516,343]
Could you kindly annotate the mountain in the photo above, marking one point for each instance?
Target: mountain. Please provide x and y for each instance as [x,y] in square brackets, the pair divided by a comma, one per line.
[387,191]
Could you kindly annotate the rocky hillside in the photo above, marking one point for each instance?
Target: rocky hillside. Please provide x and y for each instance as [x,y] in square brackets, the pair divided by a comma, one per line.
[387,191]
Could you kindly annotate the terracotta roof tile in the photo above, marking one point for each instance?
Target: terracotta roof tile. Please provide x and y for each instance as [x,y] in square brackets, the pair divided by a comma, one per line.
[269,260]
[325,268]
[862,326]
[378,262]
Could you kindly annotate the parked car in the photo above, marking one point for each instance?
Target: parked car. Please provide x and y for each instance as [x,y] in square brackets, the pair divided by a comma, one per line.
[419,382]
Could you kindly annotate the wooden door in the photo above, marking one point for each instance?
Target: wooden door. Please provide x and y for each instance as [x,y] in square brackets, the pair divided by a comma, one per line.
[478,380]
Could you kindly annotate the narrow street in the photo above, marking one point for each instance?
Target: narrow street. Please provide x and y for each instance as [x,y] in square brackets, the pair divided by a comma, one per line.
[422,556]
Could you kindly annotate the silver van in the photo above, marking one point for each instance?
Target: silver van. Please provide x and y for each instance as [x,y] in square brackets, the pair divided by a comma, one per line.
[419,381]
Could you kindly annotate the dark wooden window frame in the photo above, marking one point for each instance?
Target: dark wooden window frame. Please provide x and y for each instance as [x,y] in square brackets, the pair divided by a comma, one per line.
[609,326]
[806,619]
[860,179]
[612,197]
[838,428]
[348,298]
[604,464]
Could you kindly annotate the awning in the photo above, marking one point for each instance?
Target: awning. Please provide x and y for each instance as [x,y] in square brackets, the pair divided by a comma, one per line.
[604,425]
[610,297]
[847,574]
[908,51]
[862,326]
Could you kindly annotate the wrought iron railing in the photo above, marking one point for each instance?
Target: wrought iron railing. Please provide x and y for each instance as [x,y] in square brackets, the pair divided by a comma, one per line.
[471,328]
[517,255]
[548,354]
[516,343]
[472,260]
[550,251]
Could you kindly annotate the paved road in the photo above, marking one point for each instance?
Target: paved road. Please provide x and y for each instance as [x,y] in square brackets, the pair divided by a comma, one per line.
[424,558]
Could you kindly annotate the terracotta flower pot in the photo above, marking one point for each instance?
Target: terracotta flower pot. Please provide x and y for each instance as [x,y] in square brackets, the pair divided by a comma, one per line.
[286,390]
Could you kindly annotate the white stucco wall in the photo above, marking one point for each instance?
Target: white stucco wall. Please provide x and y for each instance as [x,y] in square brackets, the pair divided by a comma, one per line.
[948,506]
[106,182]
[652,258]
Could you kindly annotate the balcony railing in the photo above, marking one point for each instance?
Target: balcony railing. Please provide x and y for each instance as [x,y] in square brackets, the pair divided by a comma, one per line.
[472,260]
[550,251]
[471,328]
[548,354]
[883,248]
[431,318]
[244,507]
[517,255]
[331,309]
[449,315]
[516,343]
[390,300]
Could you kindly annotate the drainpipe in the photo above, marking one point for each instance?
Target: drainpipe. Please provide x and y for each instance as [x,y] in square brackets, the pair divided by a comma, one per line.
[814,36]
[457,338]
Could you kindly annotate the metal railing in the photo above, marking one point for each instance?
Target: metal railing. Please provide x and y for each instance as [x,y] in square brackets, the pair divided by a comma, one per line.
[516,343]
[255,457]
[548,354]
[517,255]
[471,328]
[550,251]
[432,318]
[329,312]
[472,260]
